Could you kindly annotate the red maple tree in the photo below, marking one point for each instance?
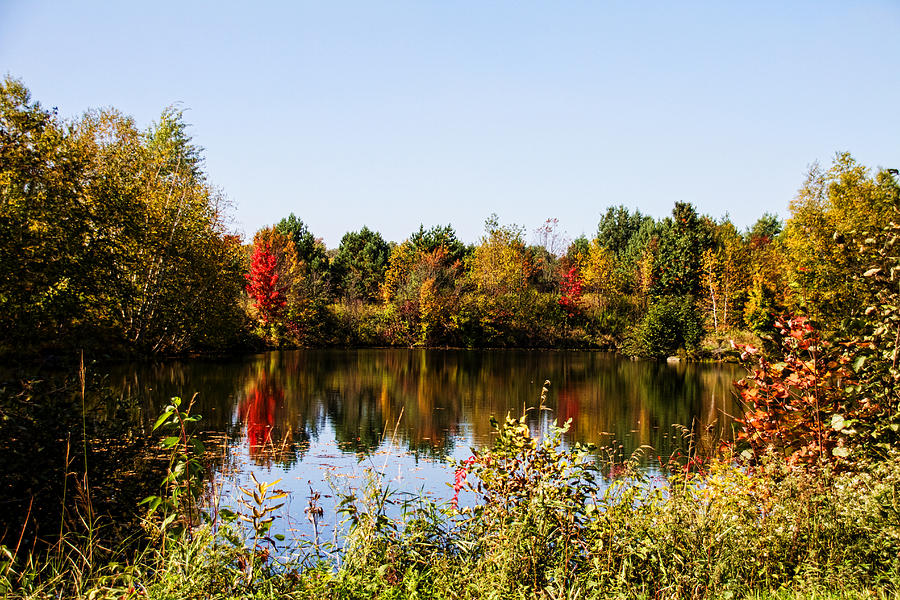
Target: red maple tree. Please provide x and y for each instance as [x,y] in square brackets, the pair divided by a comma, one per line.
[262,283]
[571,291]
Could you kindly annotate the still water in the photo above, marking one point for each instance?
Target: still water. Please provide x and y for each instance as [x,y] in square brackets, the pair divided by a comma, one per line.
[319,419]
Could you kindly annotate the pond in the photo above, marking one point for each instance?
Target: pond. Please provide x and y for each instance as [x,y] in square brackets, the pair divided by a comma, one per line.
[319,420]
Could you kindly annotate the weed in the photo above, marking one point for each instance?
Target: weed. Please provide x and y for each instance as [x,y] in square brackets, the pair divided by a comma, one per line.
[184,474]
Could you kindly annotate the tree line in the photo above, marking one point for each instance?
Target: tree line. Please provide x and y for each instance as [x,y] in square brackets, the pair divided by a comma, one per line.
[112,238]
[650,287]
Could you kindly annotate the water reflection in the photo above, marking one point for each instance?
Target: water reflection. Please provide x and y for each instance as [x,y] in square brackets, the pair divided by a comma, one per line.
[432,402]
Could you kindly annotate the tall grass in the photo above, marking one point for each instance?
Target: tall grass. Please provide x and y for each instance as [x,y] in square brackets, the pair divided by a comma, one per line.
[534,519]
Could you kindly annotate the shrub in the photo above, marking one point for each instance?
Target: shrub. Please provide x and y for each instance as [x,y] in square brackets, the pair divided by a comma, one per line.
[789,403]
[671,324]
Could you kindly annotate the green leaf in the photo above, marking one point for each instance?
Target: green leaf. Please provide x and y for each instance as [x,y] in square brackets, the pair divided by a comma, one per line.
[841,452]
[227,515]
[859,362]
[169,441]
[163,417]
[279,537]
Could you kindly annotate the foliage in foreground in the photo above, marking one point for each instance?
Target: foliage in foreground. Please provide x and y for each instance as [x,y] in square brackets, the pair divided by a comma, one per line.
[541,526]
[536,520]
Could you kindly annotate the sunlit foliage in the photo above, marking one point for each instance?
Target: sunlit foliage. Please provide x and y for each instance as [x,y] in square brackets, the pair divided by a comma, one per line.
[423,284]
[844,201]
[110,235]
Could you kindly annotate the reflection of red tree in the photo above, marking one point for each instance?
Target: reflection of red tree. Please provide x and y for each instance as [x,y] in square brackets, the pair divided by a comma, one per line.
[568,406]
[257,411]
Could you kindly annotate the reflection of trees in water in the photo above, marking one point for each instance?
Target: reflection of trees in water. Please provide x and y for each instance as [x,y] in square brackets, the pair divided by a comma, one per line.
[638,402]
[362,394]
[274,430]
[286,399]
[149,386]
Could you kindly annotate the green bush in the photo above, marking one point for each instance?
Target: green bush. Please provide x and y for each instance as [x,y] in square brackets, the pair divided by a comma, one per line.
[671,324]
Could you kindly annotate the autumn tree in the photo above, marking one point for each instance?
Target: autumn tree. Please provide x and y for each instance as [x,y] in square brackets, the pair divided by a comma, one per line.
[500,264]
[844,201]
[765,286]
[600,274]
[571,291]
[500,270]
[724,273]
[269,298]
[176,276]
[275,283]
[111,234]
[184,265]
[41,221]
[424,283]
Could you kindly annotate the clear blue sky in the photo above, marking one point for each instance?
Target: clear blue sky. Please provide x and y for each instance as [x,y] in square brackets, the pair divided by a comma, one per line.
[392,114]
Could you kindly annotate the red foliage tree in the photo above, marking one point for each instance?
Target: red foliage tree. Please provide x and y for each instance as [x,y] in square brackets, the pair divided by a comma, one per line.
[571,290]
[262,283]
